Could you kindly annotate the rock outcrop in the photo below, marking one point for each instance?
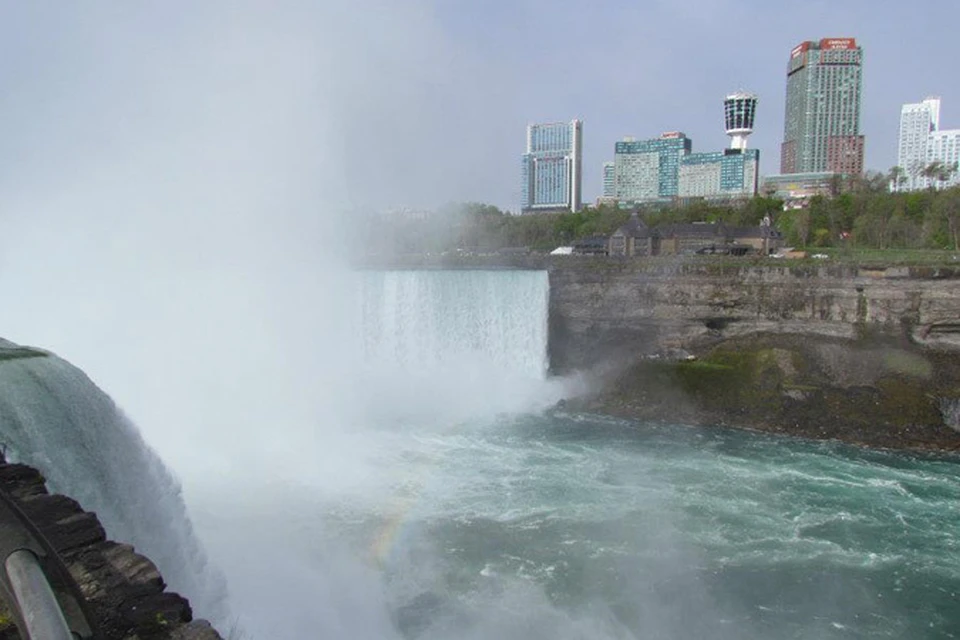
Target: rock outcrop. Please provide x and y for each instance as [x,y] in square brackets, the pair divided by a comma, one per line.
[865,355]
[124,592]
[874,392]
[603,309]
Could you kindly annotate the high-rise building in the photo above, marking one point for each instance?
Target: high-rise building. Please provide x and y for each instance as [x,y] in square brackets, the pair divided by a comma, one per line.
[731,173]
[822,122]
[944,148]
[917,122]
[609,185]
[551,167]
[922,143]
[648,170]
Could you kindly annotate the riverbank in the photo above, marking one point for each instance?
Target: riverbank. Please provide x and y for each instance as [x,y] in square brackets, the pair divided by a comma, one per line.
[873,392]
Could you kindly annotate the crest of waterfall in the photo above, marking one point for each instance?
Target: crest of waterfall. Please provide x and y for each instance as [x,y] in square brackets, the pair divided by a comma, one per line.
[54,418]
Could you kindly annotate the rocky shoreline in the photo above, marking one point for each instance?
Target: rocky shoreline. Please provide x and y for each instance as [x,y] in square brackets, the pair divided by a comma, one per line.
[875,392]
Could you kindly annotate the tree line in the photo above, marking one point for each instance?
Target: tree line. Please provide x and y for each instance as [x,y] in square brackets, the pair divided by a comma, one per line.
[863,212]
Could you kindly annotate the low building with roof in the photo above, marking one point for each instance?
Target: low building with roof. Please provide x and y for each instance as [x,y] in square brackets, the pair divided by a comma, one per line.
[591,246]
[634,238]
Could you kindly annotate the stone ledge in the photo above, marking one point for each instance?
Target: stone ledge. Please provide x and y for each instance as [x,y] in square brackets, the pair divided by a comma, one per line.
[124,590]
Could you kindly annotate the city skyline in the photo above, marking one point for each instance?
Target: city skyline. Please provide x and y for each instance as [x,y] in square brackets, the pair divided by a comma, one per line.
[850,155]
[82,82]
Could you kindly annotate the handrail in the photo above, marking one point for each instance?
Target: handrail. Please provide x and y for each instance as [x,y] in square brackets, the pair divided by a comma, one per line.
[36,601]
[45,601]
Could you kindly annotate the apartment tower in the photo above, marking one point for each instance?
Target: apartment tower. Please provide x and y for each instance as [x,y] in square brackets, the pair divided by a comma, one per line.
[821,130]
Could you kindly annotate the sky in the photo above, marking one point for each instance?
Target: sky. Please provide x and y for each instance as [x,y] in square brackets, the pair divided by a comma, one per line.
[413,103]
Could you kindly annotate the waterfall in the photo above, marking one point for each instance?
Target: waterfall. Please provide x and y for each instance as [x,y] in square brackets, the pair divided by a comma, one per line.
[421,320]
[478,339]
[54,418]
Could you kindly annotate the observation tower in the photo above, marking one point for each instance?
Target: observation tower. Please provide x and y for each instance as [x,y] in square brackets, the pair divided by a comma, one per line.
[739,110]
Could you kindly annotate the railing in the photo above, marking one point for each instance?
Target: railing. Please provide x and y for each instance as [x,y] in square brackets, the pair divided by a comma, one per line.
[43,598]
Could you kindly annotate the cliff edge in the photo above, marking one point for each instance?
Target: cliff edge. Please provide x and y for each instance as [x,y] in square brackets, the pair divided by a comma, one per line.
[124,592]
[865,355]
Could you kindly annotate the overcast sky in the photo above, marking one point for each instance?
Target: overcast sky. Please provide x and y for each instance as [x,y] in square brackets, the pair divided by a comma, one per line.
[417,102]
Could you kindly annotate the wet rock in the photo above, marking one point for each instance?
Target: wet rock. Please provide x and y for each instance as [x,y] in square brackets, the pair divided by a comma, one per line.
[122,590]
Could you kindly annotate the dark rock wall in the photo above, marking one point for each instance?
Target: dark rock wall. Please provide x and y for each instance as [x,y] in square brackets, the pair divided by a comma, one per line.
[124,591]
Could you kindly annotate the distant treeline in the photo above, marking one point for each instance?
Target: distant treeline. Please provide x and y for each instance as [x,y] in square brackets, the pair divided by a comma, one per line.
[865,216]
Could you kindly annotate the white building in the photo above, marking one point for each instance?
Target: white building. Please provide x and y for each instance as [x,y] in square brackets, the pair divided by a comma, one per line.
[922,142]
[944,147]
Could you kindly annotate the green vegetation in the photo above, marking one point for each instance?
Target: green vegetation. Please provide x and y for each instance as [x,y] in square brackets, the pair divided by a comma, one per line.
[864,221]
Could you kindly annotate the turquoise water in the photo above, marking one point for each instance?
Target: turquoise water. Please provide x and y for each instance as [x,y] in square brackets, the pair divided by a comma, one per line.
[570,526]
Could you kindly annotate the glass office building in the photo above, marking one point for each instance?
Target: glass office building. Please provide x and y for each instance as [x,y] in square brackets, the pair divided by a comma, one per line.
[609,184]
[551,171]
[647,171]
[731,173]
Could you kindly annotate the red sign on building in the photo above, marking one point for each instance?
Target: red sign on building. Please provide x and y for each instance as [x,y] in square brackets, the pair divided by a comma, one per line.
[838,43]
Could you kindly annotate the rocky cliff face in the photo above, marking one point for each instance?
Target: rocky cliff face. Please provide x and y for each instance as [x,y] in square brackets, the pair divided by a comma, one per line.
[124,592]
[603,309]
[865,355]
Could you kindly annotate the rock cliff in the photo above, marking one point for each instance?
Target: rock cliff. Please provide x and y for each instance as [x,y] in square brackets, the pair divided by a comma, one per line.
[124,592]
[603,309]
[868,355]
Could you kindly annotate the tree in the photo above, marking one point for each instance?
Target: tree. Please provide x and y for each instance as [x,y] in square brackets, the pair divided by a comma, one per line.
[946,215]
[869,182]
[872,226]
[930,171]
[897,177]
[945,172]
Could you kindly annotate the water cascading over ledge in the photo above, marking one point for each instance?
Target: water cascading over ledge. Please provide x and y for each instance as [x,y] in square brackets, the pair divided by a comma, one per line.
[425,320]
[54,418]
[479,338]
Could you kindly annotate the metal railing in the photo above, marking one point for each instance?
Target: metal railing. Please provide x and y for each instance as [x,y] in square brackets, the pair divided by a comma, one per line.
[43,598]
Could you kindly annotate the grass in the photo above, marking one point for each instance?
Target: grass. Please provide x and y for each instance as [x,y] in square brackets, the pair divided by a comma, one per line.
[888,257]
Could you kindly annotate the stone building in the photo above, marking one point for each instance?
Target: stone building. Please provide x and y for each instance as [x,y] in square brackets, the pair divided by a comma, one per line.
[634,238]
